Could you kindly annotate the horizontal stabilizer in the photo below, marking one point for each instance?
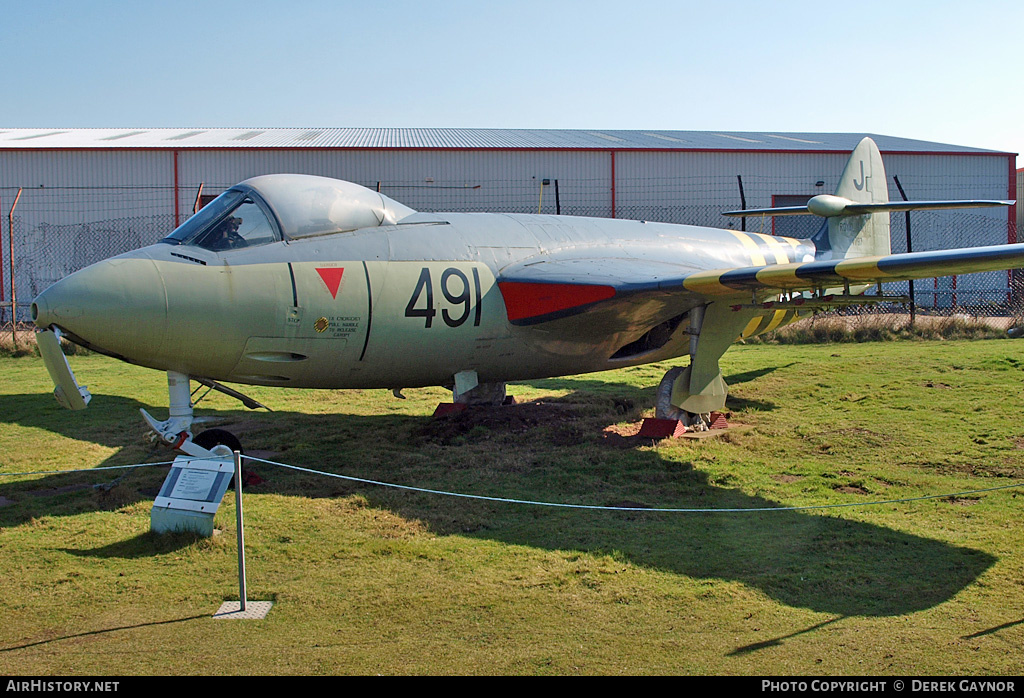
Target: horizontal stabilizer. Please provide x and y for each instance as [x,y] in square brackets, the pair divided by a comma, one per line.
[827,206]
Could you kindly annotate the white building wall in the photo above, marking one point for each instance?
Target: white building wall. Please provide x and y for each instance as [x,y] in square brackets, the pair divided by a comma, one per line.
[429,180]
[79,206]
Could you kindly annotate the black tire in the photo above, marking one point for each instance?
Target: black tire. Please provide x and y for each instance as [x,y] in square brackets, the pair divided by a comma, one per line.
[663,407]
[220,437]
[217,437]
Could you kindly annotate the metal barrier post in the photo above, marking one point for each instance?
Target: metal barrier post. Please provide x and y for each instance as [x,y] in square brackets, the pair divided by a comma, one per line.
[256,609]
[241,531]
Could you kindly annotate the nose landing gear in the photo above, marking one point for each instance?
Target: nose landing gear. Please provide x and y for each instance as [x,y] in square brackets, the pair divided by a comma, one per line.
[176,430]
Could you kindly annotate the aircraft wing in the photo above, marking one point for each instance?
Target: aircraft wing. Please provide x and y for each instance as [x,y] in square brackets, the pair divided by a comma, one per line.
[549,289]
[809,276]
[537,291]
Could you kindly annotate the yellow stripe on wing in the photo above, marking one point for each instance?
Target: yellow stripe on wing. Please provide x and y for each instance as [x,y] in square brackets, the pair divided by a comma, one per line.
[781,276]
[780,315]
[861,269]
[707,282]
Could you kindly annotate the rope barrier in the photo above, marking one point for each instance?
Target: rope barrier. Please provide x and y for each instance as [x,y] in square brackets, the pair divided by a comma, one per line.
[561,505]
[608,508]
[90,470]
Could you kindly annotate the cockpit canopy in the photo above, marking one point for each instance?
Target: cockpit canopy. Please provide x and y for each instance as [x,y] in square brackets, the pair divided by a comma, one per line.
[285,206]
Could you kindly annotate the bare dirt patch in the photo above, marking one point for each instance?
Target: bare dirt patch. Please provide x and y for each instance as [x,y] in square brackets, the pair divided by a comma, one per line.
[563,421]
[963,501]
[623,436]
[851,489]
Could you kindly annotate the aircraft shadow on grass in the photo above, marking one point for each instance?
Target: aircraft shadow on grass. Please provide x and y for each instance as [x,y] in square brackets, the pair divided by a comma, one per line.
[645,396]
[806,559]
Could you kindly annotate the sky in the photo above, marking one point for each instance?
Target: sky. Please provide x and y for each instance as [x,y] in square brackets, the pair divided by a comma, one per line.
[937,71]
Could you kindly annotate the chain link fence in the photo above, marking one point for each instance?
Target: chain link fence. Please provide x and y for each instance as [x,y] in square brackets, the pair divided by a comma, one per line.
[53,232]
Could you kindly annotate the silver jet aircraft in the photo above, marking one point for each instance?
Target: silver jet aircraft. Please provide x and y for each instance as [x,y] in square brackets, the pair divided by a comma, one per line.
[310,282]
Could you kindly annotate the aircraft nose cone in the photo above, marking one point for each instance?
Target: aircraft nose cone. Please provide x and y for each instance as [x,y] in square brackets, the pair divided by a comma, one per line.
[117,306]
[41,314]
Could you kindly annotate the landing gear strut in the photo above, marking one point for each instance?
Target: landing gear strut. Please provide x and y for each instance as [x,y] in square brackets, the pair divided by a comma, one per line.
[176,430]
[690,393]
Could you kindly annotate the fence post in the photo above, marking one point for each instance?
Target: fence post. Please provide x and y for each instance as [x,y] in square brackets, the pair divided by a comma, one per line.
[10,254]
[910,248]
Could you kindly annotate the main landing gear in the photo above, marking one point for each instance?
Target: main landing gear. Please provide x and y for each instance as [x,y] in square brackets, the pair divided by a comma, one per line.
[665,409]
[468,390]
[691,393]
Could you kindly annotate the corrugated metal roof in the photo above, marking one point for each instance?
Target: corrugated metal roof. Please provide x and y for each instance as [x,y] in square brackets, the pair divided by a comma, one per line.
[453,138]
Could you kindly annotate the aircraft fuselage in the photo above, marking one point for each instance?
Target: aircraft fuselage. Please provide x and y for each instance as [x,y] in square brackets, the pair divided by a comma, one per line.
[395,306]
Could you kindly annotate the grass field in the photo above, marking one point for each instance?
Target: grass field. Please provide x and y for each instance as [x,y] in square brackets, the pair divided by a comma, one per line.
[370,580]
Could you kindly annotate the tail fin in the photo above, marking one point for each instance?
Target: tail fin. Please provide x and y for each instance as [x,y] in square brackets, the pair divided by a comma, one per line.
[863,182]
[857,215]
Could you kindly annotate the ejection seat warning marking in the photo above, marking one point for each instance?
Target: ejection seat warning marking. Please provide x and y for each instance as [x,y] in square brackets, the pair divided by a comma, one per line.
[338,327]
[332,278]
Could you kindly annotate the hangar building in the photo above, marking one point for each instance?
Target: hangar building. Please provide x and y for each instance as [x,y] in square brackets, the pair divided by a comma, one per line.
[86,194]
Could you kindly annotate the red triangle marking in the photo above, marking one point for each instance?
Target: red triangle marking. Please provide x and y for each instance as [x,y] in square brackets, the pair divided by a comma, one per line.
[332,278]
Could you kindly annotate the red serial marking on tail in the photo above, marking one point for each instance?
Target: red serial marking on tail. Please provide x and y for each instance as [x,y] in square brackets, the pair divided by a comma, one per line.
[332,278]
[530,300]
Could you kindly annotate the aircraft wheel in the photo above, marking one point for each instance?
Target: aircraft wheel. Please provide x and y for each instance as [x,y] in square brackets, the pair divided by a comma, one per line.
[220,441]
[482,394]
[663,407]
